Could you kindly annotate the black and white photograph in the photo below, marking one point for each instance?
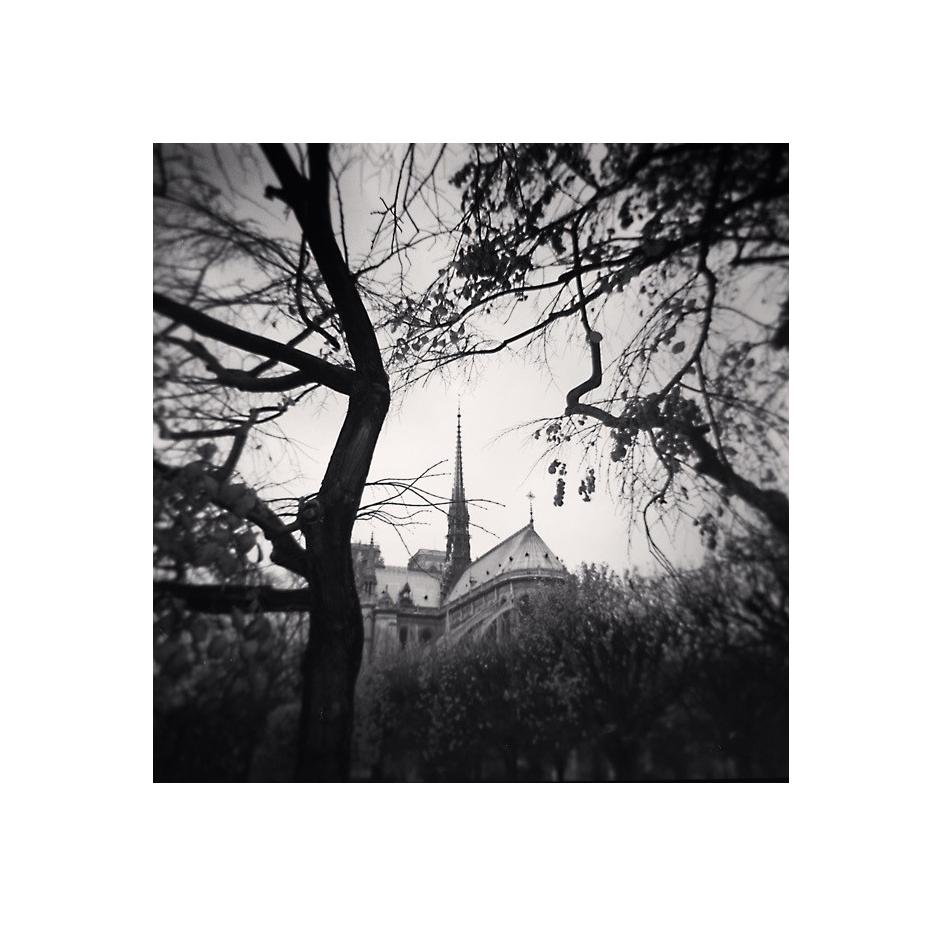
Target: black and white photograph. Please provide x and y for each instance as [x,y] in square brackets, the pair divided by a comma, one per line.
[470,462]
[480,495]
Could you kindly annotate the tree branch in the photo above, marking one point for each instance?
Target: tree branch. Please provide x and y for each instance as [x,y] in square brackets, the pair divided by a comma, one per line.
[224,598]
[316,370]
[286,551]
[242,379]
[225,471]
[308,199]
[773,504]
[594,338]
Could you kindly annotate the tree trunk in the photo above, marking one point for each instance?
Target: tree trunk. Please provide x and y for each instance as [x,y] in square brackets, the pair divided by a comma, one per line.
[560,765]
[331,663]
[336,627]
[624,756]
[510,762]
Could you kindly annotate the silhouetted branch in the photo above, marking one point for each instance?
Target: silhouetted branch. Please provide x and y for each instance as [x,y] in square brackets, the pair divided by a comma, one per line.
[225,598]
[286,551]
[312,368]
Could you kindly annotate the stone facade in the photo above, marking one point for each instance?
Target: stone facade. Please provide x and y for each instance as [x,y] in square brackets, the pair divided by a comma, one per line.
[444,595]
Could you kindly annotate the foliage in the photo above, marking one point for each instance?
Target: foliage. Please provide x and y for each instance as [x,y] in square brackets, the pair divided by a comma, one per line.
[609,677]
[191,532]
[672,259]
[217,678]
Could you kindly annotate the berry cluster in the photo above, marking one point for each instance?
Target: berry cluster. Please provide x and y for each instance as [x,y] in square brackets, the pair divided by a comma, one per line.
[588,486]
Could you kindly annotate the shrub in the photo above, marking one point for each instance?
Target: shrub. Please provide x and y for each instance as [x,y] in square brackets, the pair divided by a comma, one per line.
[672,677]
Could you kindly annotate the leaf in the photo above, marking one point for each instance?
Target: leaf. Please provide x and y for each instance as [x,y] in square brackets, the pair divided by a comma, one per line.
[678,346]
[164,651]
[217,647]
[178,664]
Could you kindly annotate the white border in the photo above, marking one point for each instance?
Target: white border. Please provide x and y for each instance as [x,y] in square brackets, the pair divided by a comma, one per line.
[845,846]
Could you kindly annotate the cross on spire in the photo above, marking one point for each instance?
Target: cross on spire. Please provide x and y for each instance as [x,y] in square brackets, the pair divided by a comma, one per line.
[531,516]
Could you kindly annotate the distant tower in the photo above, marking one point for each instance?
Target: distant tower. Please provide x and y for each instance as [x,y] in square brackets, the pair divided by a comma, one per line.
[457,531]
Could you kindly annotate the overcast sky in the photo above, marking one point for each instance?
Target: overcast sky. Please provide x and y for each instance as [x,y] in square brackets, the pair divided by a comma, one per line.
[501,401]
[502,460]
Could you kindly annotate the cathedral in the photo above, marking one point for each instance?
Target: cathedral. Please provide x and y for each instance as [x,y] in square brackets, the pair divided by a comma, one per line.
[444,594]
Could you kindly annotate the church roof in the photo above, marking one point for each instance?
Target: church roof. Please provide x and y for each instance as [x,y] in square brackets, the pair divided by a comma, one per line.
[431,560]
[436,555]
[523,552]
[424,587]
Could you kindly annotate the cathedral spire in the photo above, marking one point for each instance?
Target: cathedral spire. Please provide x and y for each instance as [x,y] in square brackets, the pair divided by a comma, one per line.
[457,532]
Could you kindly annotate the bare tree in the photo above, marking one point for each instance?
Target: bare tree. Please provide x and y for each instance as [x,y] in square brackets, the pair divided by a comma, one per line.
[221,276]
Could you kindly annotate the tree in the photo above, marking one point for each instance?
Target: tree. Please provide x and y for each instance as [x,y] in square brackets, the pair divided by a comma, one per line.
[670,677]
[212,264]
[689,240]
